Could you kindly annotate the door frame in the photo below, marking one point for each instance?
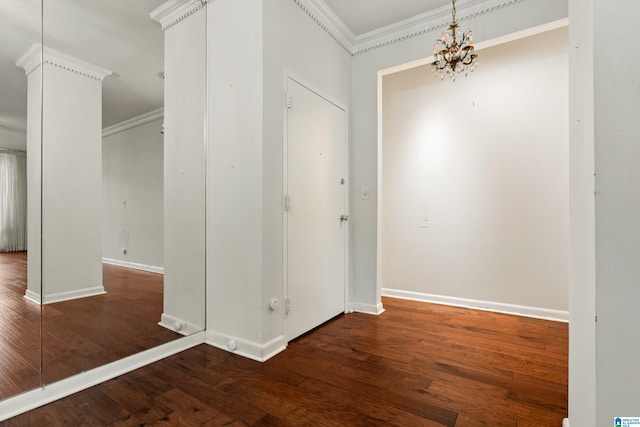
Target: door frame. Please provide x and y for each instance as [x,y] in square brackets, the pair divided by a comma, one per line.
[288,74]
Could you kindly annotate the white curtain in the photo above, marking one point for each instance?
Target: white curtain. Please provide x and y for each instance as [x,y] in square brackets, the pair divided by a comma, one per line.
[13,201]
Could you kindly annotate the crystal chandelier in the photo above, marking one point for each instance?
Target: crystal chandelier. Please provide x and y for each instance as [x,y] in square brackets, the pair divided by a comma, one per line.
[454,51]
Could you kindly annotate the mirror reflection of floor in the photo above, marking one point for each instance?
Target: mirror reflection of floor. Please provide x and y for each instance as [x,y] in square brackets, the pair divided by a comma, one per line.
[81,334]
[19,328]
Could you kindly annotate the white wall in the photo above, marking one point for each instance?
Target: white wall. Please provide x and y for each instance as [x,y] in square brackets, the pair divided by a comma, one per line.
[234,174]
[363,155]
[132,196]
[250,47]
[582,295]
[303,49]
[617,209]
[184,173]
[475,178]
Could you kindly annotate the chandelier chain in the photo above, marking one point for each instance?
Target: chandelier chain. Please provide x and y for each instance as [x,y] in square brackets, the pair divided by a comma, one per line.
[453,11]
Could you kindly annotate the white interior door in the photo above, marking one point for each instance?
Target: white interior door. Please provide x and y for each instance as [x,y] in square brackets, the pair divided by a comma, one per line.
[315,202]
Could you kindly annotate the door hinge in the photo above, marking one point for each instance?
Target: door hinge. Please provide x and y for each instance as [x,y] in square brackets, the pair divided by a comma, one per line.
[289,100]
[287,306]
[287,203]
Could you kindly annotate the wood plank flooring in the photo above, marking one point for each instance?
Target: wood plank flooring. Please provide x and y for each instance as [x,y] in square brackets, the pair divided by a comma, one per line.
[82,334]
[417,364]
[77,335]
[19,328]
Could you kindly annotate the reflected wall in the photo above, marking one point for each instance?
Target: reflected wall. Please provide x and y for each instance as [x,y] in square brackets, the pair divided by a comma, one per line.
[115,226]
[20,328]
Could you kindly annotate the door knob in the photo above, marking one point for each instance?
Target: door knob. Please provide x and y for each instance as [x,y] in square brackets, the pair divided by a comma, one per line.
[344,217]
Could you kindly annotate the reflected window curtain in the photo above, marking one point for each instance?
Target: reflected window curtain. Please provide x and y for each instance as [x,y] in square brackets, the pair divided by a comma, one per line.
[13,201]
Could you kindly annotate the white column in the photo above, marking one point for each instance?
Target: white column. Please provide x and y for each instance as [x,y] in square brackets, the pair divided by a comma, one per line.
[68,155]
[183,22]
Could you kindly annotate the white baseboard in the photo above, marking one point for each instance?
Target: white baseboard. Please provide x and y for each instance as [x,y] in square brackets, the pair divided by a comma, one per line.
[565,422]
[32,296]
[245,348]
[66,296]
[143,267]
[41,396]
[373,309]
[180,326]
[497,307]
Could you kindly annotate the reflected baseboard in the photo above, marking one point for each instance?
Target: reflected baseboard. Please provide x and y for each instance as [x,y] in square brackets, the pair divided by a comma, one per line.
[32,296]
[39,397]
[134,265]
[65,296]
[180,326]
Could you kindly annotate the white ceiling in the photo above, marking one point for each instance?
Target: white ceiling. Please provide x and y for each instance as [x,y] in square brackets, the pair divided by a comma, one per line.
[114,34]
[363,16]
[119,35]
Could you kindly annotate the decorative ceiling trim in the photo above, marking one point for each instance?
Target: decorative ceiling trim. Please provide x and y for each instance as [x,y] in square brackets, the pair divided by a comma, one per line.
[322,15]
[140,120]
[175,11]
[36,55]
[418,25]
[400,31]
[6,127]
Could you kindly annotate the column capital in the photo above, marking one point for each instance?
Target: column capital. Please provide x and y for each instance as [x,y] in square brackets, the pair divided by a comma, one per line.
[37,55]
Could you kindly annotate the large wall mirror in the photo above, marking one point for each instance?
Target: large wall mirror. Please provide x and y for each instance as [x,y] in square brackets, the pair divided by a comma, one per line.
[20,348]
[87,78]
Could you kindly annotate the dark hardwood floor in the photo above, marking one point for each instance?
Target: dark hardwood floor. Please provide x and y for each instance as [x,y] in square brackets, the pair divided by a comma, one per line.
[77,335]
[417,364]
[19,328]
[82,334]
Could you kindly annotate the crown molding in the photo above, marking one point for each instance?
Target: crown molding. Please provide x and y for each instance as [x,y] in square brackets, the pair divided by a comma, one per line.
[133,122]
[37,55]
[427,22]
[16,127]
[175,11]
[326,19]
[415,26]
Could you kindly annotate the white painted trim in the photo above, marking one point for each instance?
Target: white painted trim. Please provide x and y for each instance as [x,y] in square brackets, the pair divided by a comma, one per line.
[32,296]
[180,326]
[41,396]
[565,422]
[175,11]
[496,307]
[71,295]
[133,122]
[13,128]
[374,309]
[415,26]
[33,58]
[273,347]
[433,20]
[135,266]
[246,348]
